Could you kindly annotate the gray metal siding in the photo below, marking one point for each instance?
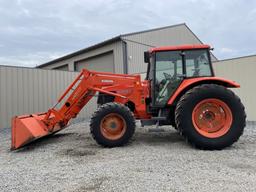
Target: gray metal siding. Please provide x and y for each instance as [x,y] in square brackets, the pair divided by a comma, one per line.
[241,70]
[63,67]
[103,62]
[176,35]
[25,91]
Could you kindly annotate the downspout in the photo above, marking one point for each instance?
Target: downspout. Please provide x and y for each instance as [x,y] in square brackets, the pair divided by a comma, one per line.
[125,57]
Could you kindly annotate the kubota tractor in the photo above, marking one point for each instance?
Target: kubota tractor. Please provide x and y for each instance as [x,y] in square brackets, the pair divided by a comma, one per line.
[179,90]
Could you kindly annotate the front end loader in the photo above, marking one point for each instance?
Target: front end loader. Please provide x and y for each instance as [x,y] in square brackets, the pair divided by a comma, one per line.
[180,89]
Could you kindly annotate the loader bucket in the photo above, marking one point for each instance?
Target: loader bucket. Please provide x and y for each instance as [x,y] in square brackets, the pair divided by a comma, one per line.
[27,128]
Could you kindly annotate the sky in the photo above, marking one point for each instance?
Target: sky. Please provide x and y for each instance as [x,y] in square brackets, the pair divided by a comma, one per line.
[34,32]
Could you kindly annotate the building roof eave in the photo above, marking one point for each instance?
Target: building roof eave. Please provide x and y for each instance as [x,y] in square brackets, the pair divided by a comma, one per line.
[114,39]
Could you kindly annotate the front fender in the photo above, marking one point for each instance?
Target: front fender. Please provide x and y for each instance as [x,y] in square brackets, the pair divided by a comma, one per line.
[187,84]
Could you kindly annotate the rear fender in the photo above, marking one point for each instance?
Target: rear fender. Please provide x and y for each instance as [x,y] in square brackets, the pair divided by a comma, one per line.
[187,84]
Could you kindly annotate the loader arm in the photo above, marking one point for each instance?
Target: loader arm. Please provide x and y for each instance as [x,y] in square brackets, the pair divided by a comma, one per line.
[27,128]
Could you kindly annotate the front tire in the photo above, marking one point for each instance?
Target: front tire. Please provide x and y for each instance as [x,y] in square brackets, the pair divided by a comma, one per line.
[112,125]
[210,117]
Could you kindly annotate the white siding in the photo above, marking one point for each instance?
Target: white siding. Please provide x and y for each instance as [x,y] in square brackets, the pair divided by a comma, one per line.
[27,90]
[241,70]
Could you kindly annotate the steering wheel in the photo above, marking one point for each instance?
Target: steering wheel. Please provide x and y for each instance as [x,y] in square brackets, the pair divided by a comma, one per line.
[167,79]
[167,76]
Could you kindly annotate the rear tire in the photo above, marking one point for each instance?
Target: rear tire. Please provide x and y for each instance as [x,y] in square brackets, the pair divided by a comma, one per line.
[112,125]
[210,117]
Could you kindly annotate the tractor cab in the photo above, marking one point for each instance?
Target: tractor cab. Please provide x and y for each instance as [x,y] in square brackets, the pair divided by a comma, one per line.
[169,66]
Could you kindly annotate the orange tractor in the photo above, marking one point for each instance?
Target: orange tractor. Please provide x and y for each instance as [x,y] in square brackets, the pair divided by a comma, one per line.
[180,89]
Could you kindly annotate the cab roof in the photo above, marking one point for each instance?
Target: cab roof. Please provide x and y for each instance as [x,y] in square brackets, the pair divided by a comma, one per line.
[180,47]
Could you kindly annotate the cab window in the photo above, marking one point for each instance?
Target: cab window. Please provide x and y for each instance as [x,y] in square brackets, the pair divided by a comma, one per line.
[168,75]
[197,63]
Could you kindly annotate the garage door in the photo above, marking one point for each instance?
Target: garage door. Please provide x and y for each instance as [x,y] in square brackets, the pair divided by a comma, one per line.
[103,62]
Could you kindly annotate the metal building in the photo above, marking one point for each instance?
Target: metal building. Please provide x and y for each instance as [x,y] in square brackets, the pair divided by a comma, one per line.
[124,53]
[241,70]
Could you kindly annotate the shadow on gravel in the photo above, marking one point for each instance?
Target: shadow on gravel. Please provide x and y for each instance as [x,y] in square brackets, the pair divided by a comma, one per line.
[56,138]
[149,138]
[155,138]
[77,152]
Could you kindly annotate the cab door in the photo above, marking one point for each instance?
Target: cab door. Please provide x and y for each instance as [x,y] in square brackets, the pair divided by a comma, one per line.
[168,74]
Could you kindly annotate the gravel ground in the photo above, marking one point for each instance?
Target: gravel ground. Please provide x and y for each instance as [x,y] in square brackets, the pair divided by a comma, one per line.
[153,161]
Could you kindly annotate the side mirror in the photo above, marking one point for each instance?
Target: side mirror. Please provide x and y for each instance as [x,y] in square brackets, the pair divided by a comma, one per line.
[146,57]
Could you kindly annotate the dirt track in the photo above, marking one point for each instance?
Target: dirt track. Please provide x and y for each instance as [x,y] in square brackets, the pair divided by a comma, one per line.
[153,161]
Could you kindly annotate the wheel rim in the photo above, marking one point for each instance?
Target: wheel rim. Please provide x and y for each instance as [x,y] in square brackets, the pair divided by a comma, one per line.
[113,126]
[212,118]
